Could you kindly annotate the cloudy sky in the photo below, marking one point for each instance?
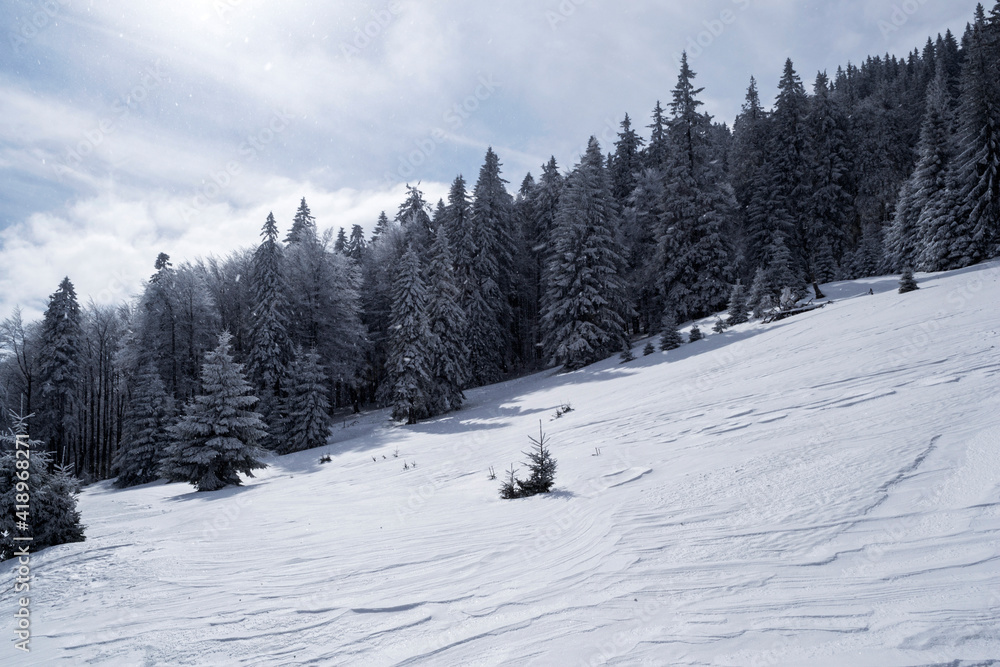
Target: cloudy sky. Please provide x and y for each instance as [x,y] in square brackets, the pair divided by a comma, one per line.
[131,128]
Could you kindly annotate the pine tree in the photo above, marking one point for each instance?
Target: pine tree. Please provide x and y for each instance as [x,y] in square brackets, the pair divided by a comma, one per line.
[356,245]
[409,358]
[626,163]
[59,371]
[269,346]
[627,354]
[830,207]
[695,334]
[641,223]
[447,325]
[218,437]
[382,226]
[919,209]
[648,350]
[670,337]
[340,245]
[907,283]
[584,305]
[720,326]
[751,176]
[306,409]
[490,284]
[760,293]
[52,517]
[658,150]
[699,207]
[541,466]
[303,225]
[788,153]
[738,304]
[144,432]
[413,217]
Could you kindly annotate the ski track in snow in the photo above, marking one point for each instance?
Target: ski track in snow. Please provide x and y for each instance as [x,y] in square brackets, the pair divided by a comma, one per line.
[823,491]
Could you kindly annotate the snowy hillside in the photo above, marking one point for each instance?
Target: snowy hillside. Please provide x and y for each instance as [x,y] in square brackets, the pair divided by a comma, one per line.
[824,490]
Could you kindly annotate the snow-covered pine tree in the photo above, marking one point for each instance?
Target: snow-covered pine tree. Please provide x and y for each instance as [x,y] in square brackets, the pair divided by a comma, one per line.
[738,304]
[410,343]
[919,213]
[218,437]
[750,177]
[145,438]
[340,245]
[449,353]
[648,350]
[356,245]
[720,326]
[59,371]
[788,154]
[541,465]
[760,290]
[270,348]
[626,162]
[695,335]
[670,337]
[303,225]
[831,204]
[52,517]
[907,283]
[584,306]
[699,207]
[414,217]
[658,150]
[627,354]
[382,226]
[486,299]
[306,408]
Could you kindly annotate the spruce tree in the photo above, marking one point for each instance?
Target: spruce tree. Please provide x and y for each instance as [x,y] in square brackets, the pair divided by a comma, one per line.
[915,230]
[627,354]
[738,304]
[447,326]
[584,306]
[269,346]
[145,438]
[699,207]
[670,337]
[490,285]
[340,245]
[658,150]
[303,225]
[218,437]
[59,371]
[51,517]
[414,218]
[695,335]
[356,245]
[830,207]
[410,344]
[751,176]
[382,226]
[907,283]
[626,162]
[306,408]
[541,466]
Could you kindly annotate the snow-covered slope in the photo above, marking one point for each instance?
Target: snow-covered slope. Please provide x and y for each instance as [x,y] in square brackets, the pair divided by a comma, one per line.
[820,491]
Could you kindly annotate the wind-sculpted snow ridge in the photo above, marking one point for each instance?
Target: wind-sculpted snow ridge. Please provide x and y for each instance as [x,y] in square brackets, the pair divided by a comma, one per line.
[823,490]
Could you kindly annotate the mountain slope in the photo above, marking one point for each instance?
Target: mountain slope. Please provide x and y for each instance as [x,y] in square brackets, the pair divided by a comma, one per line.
[824,490]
